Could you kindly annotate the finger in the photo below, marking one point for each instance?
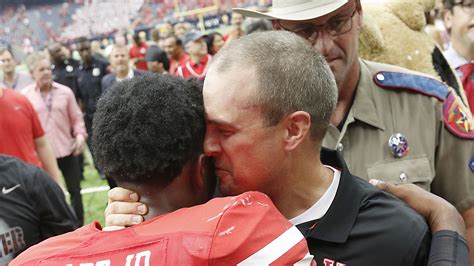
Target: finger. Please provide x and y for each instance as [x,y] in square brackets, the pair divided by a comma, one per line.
[122,220]
[380,184]
[118,207]
[112,228]
[397,191]
[122,194]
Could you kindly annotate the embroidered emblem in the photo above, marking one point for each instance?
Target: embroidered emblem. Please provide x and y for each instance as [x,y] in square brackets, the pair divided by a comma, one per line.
[456,119]
[398,145]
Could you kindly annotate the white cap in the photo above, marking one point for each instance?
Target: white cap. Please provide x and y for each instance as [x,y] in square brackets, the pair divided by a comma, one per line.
[295,9]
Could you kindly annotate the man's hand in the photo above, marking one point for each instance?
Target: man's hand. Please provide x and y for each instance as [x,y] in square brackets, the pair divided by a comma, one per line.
[78,146]
[123,208]
[439,213]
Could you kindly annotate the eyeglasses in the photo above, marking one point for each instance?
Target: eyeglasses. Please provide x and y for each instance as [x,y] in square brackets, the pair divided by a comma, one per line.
[334,27]
[466,6]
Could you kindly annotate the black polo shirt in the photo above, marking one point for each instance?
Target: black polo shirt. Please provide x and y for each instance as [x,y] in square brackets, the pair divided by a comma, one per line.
[365,226]
[32,208]
[90,78]
[67,74]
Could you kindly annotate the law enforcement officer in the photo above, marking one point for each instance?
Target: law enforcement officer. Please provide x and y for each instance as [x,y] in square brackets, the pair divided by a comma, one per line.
[390,123]
[65,70]
[90,74]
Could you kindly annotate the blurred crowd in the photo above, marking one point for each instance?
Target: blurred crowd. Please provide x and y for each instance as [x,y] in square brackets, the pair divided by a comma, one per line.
[29,27]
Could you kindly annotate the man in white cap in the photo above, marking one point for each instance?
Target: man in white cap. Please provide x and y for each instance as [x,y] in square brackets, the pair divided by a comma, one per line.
[376,105]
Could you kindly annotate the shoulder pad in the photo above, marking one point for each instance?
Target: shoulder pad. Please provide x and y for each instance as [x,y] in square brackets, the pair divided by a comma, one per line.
[424,85]
[456,118]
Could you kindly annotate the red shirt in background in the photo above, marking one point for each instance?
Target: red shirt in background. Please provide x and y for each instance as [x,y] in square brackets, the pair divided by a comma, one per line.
[19,127]
[175,64]
[190,69]
[139,52]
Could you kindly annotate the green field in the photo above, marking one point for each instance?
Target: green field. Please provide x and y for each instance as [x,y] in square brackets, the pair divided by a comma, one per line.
[95,202]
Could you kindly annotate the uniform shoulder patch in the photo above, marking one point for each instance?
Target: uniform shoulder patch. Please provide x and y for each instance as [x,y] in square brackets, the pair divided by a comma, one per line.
[424,85]
[456,118]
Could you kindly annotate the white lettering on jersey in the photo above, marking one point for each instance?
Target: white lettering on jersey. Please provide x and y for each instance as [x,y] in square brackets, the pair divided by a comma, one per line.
[145,254]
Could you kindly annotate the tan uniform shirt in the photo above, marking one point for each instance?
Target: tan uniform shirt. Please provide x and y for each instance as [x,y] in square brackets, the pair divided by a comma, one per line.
[437,159]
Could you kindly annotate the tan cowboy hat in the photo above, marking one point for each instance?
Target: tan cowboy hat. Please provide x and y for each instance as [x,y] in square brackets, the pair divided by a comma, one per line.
[295,9]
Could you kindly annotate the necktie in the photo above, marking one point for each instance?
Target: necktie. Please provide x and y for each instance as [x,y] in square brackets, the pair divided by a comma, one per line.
[467,80]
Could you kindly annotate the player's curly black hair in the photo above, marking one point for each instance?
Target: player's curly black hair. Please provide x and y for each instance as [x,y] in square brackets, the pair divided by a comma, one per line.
[147,128]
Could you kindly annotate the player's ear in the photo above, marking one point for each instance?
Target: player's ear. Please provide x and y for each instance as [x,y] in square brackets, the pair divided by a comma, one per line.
[204,178]
[296,126]
[200,171]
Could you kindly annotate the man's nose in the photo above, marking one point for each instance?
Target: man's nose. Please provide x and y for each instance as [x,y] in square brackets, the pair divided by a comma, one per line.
[211,145]
[323,42]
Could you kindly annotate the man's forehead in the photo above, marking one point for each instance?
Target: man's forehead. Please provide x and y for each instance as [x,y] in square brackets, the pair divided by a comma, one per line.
[6,54]
[119,51]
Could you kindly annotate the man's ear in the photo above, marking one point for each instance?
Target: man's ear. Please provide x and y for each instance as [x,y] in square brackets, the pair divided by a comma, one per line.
[360,21]
[297,128]
[448,19]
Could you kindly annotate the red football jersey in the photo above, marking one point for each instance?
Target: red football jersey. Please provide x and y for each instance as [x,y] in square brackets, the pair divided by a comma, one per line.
[242,230]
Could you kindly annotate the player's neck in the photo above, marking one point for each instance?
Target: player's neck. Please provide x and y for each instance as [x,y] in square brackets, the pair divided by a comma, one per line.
[165,198]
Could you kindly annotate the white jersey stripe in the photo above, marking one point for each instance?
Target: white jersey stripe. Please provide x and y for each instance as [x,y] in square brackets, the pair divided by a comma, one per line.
[275,249]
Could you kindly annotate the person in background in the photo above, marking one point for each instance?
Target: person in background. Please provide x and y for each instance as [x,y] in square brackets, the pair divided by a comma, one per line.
[237,31]
[97,51]
[174,49]
[137,53]
[157,61]
[23,136]
[65,70]
[121,70]
[196,65]
[459,20]
[11,78]
[91,71]
[62,120]
[180,30]
[33,208]
[215,41]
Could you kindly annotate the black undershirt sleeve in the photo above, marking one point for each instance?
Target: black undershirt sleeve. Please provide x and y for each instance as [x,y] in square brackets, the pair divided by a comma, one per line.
[448,248]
